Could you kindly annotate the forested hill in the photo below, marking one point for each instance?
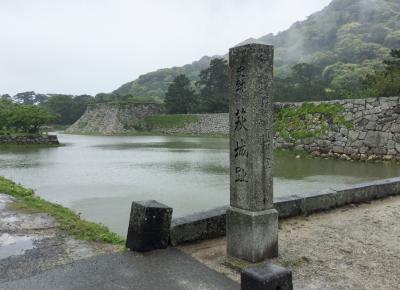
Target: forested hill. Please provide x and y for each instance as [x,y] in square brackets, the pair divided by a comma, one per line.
[345,41]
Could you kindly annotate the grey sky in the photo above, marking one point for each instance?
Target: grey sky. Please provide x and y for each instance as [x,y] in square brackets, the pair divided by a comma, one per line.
[91,46]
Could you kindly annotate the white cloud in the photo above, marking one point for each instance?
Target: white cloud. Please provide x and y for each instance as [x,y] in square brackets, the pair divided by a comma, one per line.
[91,46]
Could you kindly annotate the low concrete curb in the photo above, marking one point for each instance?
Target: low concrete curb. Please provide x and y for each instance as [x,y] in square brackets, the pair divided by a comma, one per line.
[211,224]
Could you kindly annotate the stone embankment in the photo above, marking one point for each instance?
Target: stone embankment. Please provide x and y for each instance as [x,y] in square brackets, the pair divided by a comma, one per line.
[374,131]
[205,124]
[114,118]
[29,140]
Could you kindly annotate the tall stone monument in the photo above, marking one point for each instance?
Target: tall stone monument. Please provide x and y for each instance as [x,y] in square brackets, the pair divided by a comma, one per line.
[252,221]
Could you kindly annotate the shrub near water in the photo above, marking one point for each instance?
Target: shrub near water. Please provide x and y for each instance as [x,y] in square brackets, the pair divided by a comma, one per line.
[67,219]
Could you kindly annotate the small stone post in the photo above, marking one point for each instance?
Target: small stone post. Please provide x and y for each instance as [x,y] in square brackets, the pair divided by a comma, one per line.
[252,221]
[266,277]
[149,226]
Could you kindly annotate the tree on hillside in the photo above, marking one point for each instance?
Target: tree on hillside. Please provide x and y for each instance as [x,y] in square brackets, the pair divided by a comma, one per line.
[393,64]
[214,87]
[6,97]
[180,97]
[385,83]
[30,98]
[66,108]
[303,84]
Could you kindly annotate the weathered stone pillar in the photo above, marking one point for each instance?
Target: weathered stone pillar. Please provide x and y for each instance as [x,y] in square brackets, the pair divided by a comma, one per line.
[252,221]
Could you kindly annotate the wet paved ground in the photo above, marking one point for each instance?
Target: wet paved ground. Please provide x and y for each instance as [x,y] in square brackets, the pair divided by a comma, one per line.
[355,247]
[159,270]
[31,243]
[35,255]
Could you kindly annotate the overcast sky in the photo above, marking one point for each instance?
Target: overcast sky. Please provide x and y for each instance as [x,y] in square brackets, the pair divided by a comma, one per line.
[92,46]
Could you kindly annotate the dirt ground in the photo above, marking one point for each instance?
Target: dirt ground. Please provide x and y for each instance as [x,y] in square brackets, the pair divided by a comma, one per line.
[355,247]
[32,243]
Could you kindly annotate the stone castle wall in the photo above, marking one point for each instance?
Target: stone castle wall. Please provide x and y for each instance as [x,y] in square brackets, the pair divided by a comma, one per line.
[28,140]
[374,132]
[114,118]
[206,124]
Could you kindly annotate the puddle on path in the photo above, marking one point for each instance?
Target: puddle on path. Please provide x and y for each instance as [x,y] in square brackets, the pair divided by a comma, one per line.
[13,245]
[10,219]
[4,200]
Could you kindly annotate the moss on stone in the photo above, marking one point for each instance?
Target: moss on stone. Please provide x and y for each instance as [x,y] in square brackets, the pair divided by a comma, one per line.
[308,120]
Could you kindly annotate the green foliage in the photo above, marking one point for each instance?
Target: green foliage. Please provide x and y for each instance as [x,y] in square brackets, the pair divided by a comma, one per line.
[308,120]
[66,108]
[156,83]
[355,34]
[29,98]
[119,98]
[347,80]
[304,83]
[169,121]
[6,97]
[67,219]
[180,97]
[148,99]
[384,82]
[392,39]
[106,98]
[214,87]
[15,118]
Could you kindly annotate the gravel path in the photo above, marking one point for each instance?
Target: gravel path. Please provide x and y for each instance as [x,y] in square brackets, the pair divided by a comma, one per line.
[355,247]
[32,243]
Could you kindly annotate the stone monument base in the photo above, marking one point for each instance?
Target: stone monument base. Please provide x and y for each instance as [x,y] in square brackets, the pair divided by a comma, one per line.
[252,236]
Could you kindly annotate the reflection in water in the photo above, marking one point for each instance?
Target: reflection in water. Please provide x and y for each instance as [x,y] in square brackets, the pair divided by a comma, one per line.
[287,166]
[100,176]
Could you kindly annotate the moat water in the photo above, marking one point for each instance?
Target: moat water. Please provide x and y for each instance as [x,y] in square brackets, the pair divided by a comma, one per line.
[99,177]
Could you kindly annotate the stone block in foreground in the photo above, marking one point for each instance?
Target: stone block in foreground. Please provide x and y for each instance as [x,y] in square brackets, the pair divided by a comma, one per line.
[253,235]
[266,277]
[149,226]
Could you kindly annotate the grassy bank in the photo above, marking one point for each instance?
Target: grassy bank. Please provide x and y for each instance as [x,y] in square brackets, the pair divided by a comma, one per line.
[67,219]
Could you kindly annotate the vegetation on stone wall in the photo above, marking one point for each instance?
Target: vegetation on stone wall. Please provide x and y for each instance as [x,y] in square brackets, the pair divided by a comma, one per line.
[67,219]
[308,120]
[169,121]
